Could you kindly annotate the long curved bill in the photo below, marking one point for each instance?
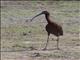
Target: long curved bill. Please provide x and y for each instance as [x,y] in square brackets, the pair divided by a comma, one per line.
[36,16]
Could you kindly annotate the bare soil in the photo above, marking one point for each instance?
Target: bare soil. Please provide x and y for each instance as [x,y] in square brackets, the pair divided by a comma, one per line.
[24,40]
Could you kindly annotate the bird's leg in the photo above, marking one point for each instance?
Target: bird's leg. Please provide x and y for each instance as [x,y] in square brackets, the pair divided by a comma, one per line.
[58,42]
[47,41]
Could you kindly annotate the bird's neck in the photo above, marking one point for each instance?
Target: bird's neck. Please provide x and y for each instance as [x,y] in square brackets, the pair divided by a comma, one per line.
[47,18]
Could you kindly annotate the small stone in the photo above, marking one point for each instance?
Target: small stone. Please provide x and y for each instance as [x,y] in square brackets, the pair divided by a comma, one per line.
[36,55]
[77,44]
[29,32]
[24,34]
[32,48]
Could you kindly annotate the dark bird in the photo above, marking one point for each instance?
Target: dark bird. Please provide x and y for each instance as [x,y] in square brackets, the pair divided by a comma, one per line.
[51,28]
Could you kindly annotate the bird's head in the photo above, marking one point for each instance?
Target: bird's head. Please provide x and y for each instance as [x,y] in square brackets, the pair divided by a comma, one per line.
[43,12]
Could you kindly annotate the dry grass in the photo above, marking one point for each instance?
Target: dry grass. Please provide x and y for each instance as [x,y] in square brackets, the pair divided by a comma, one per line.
[16,46]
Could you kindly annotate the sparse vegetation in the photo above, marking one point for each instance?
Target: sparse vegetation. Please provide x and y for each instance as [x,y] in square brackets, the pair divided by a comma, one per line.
[13,26]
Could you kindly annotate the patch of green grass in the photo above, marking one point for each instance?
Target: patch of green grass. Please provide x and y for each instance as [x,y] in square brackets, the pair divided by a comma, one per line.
[73,28]
[21,29]
[60,10]
[16,13]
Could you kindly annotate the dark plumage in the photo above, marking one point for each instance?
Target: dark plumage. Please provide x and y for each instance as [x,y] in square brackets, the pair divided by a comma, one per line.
[51,27]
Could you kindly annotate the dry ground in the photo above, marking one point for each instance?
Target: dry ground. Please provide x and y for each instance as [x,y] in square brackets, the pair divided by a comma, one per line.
[16,46]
